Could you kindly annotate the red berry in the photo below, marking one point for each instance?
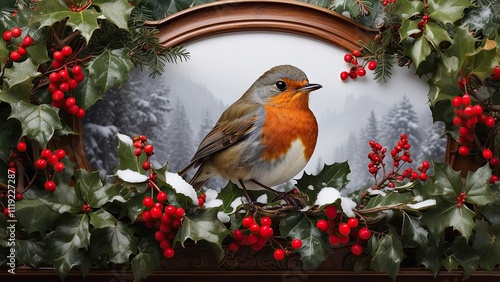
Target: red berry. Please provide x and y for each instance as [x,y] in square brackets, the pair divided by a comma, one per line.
[15,56]
[237,234]
[70,102]
[79,77]
[73,109]
[352,222]
[457,121]
[7,36]
[361,71]
[76,69]
[60,153]
[456,101]
[58,95]
[50,186]
[423,176]
[254,228]
[353,75]
[331,212]
[466,100]
[478,110]
[296,243]
[148,149]
[493,179]
[73,84]
[67,51]
[356,53]
[21,50]
[372,65]
[344,75]
[27,41]
[179,212]
[322,225]
[356,249]
[148,202]
[40,164]
[487,154]
[355,62]
[364,233]
[334,239]
[54,77]
[266,221]
[161,197]
[56,64]
[168,253]
[58,56]
[164,244]
[489,122]
[146,165]
[344,229]
[146,215]
[59,167]
[348,58]
[247,221]
[265,231]
[170,211]
[16,32]
[494,161]
[155,213]
[279,254]
[463,150]
[233,246]
[21,147]
[52,160]
[64,87]
[80,113]
[468,111]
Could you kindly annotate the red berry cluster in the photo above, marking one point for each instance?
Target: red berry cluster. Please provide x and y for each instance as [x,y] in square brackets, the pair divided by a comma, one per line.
[421,24]
[386,2]
[341,232]
[356,68]
[54,159]
[141,146]
[86,208]
[201,200]
[461,199]
[17,54]
[256,236]
[164,218]
[466,118]
[78,7]
[400,155]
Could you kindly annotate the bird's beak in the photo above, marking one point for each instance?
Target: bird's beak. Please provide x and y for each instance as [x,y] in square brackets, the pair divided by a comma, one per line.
[311,87]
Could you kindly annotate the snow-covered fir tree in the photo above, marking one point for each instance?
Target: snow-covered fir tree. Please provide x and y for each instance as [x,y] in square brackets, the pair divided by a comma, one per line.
[180,148]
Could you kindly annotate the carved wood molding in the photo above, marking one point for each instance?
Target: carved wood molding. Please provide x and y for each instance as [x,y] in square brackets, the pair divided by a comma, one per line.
[254,15]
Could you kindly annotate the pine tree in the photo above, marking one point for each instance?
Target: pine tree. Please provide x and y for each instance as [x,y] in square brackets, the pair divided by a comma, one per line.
[433,145]
[206,126]
[401,119]
[180,139]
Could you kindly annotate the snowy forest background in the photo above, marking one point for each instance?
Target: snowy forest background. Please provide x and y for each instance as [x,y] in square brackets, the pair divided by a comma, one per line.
[175,113]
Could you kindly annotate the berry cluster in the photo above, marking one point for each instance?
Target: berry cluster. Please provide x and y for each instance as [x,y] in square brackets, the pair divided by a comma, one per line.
[256,236]
[466,118]
[461,199]
[386,2]
[356,69]
[400,155]
[141,146]
[341,232]
[86,208]
[78,7]
[17,54]
[164,218]
[54,159]
[421,24]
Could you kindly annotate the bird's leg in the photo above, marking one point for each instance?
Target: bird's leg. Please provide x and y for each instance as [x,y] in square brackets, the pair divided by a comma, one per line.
[281,195]
[249,198]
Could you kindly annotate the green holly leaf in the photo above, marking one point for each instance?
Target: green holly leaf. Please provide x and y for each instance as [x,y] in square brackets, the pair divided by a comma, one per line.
[90,189]
[435,34]
[63,244]
[18,92]
[408,28]
[134,206]
[87,93]
[334,176]
[203,225]
[231,198]
[31,252]
[431,257]
[413,230]
[417,49]
[484,62]
[314,242]
[10,130]
[21,72]
[447,11]
[35,216]
[490,212]
[487,244]
[462,255]
[448,182]
[447,214]
[117,242]
[406,9]
[50,12]
[63,200]
[387,253]
[391,198]
[443,86]
[126,157]
[147,260]
[37,52]
[111,68]
[117,11]
[102,219]
[38,122]
[463,46]
[477,186]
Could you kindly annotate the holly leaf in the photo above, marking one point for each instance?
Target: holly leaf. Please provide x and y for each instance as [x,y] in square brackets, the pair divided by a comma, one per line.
[477,186]
[387,254]
[102,219]
[31,252]
[134,206]
[203,225]
[90,189]
[463,46]
[484,62]
[435,34]
[21,72]
[461,253]
[417,49]
[231,198]
[87,93]
[117,242]
[126,157]
[448,214]
[10,130]
[38,122]
[63,244]
[35,216]
[406,9]
[408,28]
[63,200]
[447,11]
[50,12]
[147,260]
[487,244]
[111,68]
[448,182]
[314,242]
[414,231]
[431,257]
[334,176]
[117,11]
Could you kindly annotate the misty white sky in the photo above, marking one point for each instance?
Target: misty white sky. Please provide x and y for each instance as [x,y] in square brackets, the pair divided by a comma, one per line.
[228,64]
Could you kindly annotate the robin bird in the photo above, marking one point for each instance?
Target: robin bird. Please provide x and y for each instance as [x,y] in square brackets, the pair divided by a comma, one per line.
[265,138]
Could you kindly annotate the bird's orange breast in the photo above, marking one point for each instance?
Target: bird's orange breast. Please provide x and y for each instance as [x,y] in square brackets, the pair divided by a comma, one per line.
[288,118]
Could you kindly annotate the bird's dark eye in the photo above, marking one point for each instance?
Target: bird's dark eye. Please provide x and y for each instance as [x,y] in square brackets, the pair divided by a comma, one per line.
[281,85]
